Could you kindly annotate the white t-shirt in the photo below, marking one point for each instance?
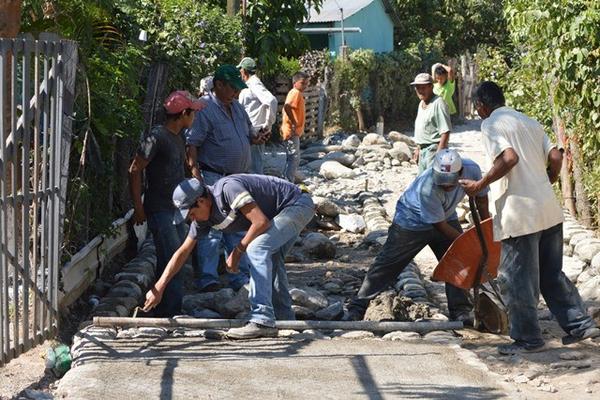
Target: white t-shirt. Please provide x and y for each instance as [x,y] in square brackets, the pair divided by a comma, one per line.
[524,200]
[259,103]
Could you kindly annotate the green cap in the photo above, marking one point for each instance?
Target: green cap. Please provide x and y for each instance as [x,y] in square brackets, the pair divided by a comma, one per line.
[230,74]
[248,64]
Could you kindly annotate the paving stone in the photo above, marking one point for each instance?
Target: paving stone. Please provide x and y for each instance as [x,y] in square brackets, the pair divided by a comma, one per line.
[402,336]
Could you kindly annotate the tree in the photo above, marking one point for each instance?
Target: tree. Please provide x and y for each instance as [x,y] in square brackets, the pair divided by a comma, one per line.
[10,17]
[270,30]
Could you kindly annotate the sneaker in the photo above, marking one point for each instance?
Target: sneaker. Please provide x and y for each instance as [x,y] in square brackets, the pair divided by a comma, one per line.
[251,330]
[587,334]
[519,348]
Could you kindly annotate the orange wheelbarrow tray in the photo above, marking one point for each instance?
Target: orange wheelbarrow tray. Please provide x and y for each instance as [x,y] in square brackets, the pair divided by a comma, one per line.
[462,260]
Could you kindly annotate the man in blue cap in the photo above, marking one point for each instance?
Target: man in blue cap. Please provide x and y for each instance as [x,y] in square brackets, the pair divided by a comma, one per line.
[272,213]
[425,216]
[218,145]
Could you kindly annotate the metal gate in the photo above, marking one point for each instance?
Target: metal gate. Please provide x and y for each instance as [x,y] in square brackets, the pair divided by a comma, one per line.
[37,79]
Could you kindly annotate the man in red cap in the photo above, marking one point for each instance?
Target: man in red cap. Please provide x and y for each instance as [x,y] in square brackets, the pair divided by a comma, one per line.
[162,154]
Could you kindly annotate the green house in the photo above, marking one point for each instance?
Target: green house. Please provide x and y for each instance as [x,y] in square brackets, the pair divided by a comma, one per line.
[376,20]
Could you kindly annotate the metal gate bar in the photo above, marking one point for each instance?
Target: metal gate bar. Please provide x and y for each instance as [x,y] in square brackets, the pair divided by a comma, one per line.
[34,146]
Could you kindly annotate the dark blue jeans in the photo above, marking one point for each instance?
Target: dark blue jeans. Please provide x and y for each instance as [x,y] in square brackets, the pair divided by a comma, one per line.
[531,264]
[401,246]
[208,251]
[167,238]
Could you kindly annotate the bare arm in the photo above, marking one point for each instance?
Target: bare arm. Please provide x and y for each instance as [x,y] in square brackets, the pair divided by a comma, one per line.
[154,295]
[287,108]
[450,72]
[447,230]
[444,139]
[135,187]
[502,166]
[555,163]
[259,225]
[191,161]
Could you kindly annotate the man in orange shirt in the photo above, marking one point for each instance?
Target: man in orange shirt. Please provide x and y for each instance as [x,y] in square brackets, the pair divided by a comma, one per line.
[292,125]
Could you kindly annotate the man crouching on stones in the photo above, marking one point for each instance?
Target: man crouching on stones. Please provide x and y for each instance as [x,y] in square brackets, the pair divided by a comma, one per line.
[272,211]
[425,216]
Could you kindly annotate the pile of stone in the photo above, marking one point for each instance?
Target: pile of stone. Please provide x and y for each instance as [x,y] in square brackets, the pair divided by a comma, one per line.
[353,156]
[582,261]
[130,285]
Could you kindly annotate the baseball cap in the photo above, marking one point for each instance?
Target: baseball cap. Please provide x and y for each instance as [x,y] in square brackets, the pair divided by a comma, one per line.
[181,100]
[230,74]
[185,195]
[446,167]
[248,64]
[422,79]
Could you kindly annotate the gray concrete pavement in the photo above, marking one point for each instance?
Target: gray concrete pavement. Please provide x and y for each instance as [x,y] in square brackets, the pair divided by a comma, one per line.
[197,368]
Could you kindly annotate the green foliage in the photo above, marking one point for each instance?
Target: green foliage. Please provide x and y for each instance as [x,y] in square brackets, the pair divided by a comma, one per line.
[558,47]
[192,37]
[378,84]
[270,31]
[287,67]
[457,25]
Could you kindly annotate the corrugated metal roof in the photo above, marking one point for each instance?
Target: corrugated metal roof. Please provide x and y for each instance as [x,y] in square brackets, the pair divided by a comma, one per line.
[330,10]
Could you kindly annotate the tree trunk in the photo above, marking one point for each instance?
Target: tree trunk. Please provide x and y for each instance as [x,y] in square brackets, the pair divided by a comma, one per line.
[584,208]
[361,119]
[233,7]
[10,17]
[566,183]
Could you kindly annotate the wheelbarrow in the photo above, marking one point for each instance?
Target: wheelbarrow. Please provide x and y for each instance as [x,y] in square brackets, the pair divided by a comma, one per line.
[471,262]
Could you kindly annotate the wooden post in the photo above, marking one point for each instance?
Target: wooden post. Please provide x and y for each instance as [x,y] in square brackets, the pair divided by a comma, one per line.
[584,209]
[566,183]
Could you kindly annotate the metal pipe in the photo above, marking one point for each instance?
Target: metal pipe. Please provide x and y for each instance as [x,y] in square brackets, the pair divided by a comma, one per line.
[198,323]
[342,24]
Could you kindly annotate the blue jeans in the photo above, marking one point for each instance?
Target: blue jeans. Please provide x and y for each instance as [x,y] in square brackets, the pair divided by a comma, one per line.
[401,246]
[531,264]
[208,251]
[167,239]
[256,151]
[292,160]
[269,293]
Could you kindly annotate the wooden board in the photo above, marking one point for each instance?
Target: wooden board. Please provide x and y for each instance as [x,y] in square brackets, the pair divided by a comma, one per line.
[459,264]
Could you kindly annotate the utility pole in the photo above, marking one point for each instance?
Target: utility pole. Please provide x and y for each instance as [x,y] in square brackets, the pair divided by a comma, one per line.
[233,7]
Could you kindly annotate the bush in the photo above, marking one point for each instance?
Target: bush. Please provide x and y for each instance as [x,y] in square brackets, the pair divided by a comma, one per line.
[372,85]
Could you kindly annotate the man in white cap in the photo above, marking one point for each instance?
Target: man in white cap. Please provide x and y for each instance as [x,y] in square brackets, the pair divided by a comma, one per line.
[272,213]
[162,154]
[425,216]
[432,125]
[261,107]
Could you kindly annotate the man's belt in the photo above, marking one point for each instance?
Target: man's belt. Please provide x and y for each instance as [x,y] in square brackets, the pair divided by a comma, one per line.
[204,167]
[425,145]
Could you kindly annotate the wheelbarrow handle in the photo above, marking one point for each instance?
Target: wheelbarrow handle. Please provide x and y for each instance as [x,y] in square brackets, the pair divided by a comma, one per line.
[482,243]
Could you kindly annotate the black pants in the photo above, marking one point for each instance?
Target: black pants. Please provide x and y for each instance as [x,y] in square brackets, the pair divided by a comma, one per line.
[401,246]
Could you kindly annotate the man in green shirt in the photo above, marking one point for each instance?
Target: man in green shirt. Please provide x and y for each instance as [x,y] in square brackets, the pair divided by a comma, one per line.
[444,85]
[432,125]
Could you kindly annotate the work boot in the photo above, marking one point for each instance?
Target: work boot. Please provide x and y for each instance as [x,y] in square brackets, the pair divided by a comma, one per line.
[251,330]
[587,334]
[466,318]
